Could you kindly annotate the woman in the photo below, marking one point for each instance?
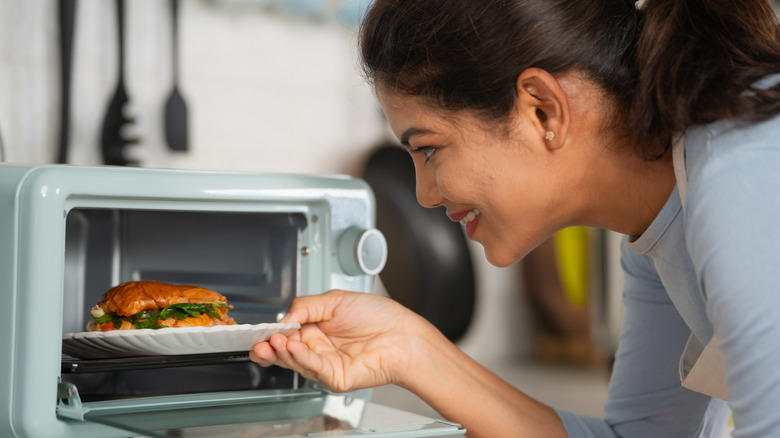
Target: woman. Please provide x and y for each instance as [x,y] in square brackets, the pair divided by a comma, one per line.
[524,117]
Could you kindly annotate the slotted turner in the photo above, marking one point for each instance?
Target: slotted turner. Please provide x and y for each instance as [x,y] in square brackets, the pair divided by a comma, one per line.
[112,142]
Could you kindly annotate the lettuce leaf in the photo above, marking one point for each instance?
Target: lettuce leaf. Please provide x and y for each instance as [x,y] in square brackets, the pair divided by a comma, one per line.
[150,319]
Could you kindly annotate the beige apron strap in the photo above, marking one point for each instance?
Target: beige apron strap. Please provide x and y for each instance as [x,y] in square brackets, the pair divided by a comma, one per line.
[678,159]
[708,374]
[701,367]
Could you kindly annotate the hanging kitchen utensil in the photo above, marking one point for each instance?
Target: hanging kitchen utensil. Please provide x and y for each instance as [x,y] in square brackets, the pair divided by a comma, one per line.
[67,20]
[429,266]
[175,107]
[112,142]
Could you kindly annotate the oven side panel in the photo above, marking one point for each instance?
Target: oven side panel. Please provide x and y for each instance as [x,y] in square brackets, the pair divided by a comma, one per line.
[10,179]
[38,304]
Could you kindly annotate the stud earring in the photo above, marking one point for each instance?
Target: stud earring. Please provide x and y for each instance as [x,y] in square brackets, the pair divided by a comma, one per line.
[549,136]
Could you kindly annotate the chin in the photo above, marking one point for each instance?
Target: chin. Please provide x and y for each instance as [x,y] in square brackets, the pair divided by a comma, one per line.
[504,255]
[500,259]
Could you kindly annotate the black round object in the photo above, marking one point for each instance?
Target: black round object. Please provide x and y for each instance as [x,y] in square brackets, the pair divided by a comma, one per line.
[429,268]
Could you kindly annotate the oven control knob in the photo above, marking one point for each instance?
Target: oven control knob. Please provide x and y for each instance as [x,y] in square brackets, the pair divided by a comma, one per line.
[362,251]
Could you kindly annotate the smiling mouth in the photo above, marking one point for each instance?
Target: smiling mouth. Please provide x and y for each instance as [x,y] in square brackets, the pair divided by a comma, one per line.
[469,217]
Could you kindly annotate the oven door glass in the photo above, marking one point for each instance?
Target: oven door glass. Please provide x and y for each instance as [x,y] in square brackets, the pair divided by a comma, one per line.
[326,416]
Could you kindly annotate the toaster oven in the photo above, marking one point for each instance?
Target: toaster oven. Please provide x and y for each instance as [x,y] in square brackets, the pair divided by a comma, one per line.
[69,233]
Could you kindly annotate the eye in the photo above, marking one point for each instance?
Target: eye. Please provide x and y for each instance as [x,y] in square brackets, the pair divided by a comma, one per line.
[427,151]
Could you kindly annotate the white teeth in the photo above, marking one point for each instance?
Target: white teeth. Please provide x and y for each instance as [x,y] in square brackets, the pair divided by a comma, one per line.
[470,217]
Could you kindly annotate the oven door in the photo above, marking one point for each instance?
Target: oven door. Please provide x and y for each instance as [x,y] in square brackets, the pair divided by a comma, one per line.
[281,404]
[337,419]
[307,412]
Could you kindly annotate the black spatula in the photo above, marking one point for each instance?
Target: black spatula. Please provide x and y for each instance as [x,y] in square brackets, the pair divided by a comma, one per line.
[67,15]
[175,108]
[112,142]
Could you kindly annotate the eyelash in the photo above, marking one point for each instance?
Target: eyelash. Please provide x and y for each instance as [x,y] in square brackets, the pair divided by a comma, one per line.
[426,151]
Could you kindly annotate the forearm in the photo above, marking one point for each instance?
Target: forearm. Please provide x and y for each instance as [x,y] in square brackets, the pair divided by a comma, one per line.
[465,392]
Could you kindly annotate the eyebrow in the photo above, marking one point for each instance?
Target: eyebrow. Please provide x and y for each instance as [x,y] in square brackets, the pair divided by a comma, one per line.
[411,132]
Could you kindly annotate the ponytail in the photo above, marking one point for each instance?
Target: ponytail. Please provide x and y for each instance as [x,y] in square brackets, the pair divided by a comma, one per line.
[699,61]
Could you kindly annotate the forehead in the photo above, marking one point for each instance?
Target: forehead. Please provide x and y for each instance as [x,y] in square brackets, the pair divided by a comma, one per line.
[404,111]
[394,102]
[408,113]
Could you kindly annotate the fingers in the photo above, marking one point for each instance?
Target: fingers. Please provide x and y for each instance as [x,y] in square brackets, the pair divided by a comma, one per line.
[298,357]
[288,353]
[313,308]
[314,366]
[303,310]
[310,364]
[279,344]
[263,354]
[271,352]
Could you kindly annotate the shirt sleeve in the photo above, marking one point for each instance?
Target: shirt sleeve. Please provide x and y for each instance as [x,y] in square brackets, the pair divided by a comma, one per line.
[733,207]
[645,396]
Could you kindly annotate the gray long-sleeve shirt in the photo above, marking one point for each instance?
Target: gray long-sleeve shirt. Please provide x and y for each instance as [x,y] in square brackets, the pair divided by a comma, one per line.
[712,267]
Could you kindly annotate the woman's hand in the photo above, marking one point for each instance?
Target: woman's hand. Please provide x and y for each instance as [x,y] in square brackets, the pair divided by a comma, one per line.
[347,340]
[354,340]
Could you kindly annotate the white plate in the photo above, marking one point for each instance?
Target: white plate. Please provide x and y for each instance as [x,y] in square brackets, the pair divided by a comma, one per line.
[170,341]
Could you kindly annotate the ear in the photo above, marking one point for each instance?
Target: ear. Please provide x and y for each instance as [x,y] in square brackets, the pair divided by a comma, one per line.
[541,98]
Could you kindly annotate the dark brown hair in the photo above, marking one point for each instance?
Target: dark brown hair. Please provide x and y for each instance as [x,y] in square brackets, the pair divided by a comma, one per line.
[671,65]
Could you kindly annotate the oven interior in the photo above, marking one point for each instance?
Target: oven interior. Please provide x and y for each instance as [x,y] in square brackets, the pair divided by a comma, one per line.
[250,257]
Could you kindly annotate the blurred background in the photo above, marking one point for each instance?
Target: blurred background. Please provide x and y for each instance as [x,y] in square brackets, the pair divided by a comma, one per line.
[275,86]
[268,85]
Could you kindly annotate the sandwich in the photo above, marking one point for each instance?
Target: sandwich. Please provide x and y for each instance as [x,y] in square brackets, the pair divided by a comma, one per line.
[155,305]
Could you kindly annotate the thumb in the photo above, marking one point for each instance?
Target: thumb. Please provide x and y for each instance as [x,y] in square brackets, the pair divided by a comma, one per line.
[312,309]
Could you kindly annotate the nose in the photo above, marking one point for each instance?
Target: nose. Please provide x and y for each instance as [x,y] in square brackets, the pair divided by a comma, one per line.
[428,194]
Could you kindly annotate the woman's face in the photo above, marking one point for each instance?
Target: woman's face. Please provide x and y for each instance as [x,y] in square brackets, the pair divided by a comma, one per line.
[504,187]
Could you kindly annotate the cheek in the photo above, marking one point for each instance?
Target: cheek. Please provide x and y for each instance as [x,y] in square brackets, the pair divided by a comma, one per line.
[451,188]
[468,185]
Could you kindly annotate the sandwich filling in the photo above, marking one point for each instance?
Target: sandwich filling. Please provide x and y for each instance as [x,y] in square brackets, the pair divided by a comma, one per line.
[169,316]
[155,305]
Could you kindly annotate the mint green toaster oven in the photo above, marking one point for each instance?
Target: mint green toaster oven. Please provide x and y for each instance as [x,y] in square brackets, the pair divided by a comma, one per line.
[69,233]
